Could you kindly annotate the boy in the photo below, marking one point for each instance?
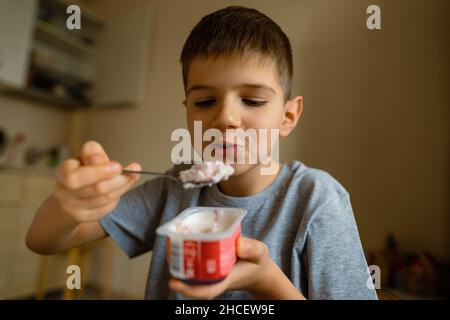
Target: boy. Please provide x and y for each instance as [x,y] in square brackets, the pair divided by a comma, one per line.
[302,236]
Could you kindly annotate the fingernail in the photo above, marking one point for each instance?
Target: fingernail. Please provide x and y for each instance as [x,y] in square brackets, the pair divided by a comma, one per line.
[135,166]
[239,246]
[113,167]
[243,246]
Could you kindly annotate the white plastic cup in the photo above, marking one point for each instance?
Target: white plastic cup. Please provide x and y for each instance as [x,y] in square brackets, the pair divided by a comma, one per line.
[197,256]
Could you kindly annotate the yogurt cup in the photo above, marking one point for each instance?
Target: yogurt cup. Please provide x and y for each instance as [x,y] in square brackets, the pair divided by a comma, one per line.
[201,243]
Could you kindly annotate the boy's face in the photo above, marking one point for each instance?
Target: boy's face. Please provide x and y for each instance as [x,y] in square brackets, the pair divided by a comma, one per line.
[238,92]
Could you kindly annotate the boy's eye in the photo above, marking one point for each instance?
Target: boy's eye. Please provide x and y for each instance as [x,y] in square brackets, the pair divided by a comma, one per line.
[205,103]
[253,102]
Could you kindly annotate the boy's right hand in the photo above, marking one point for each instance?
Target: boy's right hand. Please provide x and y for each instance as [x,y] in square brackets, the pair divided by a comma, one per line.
[90,188]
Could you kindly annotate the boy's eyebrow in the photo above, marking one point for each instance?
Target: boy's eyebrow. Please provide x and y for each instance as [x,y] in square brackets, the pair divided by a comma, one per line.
[258,86]
[199,87]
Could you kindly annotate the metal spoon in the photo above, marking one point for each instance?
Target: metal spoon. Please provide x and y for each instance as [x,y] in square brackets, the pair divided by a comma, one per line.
[151,173]
[188,185]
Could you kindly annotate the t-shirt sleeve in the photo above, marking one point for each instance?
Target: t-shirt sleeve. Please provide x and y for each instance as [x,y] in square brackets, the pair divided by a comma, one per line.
[132,224]
[336,267]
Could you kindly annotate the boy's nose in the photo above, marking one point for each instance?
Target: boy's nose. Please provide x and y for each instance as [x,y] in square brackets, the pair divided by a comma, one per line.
[227,116]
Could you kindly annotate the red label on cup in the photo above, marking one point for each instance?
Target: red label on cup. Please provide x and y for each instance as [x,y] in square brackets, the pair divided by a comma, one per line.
[202,260]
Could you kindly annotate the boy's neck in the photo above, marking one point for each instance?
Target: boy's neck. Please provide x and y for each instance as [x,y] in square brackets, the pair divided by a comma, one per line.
[248,183]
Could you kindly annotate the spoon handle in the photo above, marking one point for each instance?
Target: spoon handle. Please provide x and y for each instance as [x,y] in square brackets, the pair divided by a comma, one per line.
[150,173]
[143,172]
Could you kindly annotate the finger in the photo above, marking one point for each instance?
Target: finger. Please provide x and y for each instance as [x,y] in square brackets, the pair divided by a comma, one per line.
[117,193]
[87,175]
[134,167]
[92,153]
[252,250]
[241,274]
[104,187]
[103,200]
[209,291]
[101,188]
[66,168]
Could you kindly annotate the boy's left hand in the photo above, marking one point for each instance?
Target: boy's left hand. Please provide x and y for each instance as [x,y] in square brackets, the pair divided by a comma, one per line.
[253,272]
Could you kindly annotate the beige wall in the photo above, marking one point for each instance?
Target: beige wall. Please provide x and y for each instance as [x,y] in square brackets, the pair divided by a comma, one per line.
[375,106]
[376,116]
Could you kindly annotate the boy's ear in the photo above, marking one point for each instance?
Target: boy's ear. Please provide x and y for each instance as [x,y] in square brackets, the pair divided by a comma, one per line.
[184,103]
[292,112]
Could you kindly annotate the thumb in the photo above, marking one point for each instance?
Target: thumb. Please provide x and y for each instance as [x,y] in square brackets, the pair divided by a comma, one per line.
[252,250]
[92,153]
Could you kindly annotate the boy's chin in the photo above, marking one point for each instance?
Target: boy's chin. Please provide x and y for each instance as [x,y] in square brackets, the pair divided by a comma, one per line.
[240,169]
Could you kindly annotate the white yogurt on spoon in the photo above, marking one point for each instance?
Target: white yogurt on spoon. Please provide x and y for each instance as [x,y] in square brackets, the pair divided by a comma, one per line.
[205,174]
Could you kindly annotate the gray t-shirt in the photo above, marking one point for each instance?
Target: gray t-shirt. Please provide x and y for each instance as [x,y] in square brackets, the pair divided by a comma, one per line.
[304,217]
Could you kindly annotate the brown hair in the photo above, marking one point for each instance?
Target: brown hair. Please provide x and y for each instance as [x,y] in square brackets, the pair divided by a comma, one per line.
[238,30]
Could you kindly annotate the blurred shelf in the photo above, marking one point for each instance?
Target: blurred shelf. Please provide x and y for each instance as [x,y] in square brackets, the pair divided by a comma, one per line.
[42,95]
[97,65]
[61,39]
[69,79]
[26,170]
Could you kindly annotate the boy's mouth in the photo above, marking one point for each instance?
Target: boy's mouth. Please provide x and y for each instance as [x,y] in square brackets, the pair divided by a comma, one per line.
[224,148]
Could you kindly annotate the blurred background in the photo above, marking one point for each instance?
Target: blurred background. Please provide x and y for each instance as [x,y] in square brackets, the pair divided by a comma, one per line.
[376,116]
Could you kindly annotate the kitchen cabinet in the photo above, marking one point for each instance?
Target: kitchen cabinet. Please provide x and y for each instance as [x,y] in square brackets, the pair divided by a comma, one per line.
[122,58]
[102,64]
[21,193]
[16,30]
